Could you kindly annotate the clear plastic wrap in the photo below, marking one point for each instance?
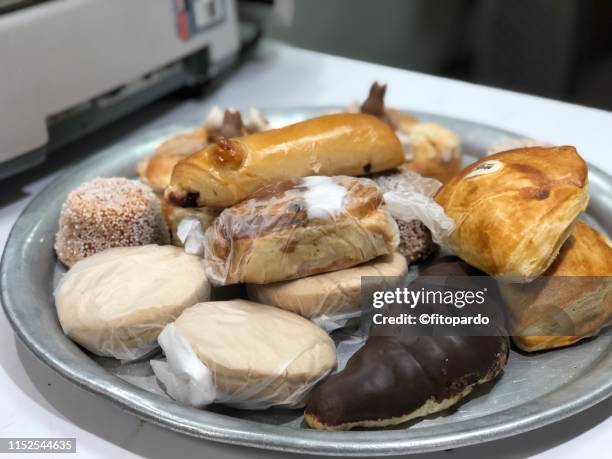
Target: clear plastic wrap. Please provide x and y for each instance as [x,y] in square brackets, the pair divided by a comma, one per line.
[243,354]
[116,303]
[297,228]
[411,205]
[191,235]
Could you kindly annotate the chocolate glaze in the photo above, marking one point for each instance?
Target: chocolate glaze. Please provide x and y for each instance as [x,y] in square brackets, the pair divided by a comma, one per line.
[232,125]
[184,199]
[375,103]
[392,376]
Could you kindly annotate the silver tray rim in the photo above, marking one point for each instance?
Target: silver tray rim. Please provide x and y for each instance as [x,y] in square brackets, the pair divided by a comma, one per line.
[577,395]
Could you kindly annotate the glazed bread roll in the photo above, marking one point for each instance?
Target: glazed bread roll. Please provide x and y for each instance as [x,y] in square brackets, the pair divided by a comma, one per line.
[115,303]
[298,228]
[328,293]
[231,170]
[571,301]
[514,210]
[248,355]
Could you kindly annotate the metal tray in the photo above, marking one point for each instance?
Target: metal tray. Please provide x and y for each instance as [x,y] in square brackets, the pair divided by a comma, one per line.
[534,390]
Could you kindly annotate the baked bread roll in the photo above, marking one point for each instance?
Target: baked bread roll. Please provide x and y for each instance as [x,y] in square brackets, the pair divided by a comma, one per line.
[298,228]
[433,151]
[571,301]
[329,293]
[231,170]
[115,303]
[514,210]
[156,170]
[243,354]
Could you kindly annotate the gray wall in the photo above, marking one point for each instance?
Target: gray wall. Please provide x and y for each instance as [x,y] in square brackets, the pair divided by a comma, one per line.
[415,34]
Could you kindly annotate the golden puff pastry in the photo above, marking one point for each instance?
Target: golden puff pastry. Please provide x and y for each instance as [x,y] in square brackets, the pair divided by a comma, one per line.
[514,210]
[571,301]
[298,228]
[233,169]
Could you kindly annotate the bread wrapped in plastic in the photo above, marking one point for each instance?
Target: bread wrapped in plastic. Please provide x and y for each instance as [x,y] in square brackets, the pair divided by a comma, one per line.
[115,303]
[298,228]
[332,295]
[243,354]
[187,225]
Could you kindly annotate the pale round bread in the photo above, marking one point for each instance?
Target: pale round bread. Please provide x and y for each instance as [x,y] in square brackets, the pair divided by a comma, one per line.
[116,303]
[257,352]
[329,293]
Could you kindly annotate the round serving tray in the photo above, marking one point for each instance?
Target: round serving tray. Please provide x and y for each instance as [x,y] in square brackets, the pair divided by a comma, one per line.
[534,390]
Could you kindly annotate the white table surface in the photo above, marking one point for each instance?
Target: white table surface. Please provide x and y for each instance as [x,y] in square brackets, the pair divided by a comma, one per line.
[35,402]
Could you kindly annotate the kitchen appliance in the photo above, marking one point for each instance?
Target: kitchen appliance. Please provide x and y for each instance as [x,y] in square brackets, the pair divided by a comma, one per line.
[69,67]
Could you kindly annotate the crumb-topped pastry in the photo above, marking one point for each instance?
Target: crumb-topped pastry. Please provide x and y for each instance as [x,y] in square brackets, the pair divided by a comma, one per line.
[105,213]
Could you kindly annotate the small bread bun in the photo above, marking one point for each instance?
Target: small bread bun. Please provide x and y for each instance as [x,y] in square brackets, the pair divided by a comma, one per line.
[116,303]
[433,151]
[105,213]
[156,170]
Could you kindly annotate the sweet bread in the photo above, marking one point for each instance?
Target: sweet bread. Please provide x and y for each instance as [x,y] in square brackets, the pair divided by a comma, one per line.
[233,169]
[156,170]
[116,303]
[174,215]
[514,210]
[336,292]
[433,151]
[108,212]
[243,354]
[571,301]
[396,376]
[298,228]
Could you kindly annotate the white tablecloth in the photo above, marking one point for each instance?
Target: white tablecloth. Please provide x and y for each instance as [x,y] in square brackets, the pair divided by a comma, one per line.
[35,402]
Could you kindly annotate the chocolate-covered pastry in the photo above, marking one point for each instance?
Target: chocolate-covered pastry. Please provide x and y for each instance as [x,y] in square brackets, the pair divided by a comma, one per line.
[393,379]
